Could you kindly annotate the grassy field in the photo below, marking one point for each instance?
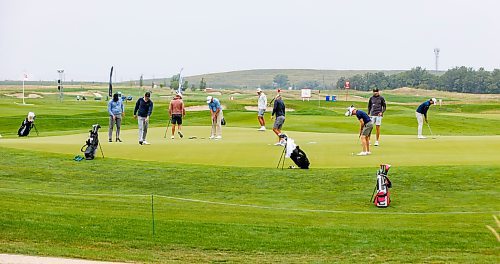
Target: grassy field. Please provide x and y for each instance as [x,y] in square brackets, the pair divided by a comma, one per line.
[224,201]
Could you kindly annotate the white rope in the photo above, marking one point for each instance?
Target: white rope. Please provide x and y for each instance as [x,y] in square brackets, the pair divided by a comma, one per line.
[254,206]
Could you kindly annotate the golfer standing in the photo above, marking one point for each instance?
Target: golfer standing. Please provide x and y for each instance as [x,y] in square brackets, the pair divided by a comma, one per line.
[365,130]
[279,111]
[421,114]
[142,112]
[261,107]
[216,115]
[376,109]
[176,112]
[116,112]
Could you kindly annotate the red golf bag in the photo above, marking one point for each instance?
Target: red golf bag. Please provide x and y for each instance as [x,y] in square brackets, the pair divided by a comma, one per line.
[382,195]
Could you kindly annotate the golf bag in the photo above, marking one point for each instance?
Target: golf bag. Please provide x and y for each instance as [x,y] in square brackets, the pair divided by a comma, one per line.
[382,196]
[92,143]
[299,157]
[292,151]
[27,125]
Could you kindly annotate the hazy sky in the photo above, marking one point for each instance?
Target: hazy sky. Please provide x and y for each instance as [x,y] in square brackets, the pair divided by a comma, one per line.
[157,38]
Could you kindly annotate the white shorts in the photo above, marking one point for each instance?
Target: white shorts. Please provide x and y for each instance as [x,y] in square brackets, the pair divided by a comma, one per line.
[377,120]
[261,112]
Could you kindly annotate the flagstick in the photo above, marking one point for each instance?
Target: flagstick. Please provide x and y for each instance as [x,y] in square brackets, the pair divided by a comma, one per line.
[23,90]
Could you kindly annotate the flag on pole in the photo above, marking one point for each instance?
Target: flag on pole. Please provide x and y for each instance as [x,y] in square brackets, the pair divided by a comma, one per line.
[110,89]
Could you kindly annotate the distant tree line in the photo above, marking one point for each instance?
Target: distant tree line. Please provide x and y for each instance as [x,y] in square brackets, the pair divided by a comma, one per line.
[458,79]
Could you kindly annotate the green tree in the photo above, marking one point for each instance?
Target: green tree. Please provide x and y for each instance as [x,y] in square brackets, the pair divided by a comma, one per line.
[281,80]
[203,84]
[174,82]
[185,85]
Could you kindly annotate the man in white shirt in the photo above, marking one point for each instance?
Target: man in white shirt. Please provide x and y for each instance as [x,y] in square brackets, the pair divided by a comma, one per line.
[262,105]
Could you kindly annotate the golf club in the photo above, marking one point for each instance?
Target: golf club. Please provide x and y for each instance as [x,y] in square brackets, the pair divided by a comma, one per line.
[165,136]
[430,130]
[212,131]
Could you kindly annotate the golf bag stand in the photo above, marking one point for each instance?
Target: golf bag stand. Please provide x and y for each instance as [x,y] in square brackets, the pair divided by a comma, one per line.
[381,195]
[282,158]
[92,143]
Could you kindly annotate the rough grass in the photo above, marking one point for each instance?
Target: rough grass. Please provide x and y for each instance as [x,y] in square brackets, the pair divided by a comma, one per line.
[54,206]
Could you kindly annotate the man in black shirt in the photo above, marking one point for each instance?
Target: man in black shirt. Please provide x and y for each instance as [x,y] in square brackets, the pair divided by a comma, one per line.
[376,109]
[279,111]
[142,111]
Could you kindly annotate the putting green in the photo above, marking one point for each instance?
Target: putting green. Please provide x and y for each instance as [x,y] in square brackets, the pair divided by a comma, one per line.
[245,147]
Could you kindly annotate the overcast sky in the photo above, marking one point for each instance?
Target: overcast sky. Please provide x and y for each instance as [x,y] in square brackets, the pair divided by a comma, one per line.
[157,38]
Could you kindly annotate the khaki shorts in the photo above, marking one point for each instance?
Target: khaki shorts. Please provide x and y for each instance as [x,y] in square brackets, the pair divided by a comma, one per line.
[367,129]
[377,120]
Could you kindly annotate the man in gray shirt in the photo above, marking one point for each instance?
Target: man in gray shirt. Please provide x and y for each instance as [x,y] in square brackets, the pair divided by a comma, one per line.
[376,109]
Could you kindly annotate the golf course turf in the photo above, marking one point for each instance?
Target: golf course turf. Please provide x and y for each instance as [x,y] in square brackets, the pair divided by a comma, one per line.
[199,200]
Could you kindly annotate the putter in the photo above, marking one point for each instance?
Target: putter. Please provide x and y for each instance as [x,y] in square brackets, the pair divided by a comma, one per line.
[165,136]
[212,131]
[430,130]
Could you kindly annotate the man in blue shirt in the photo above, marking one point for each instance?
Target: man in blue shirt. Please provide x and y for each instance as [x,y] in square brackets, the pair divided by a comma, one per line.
[216,117]
[365,130]
[142,111]
[421,114]
[116,112]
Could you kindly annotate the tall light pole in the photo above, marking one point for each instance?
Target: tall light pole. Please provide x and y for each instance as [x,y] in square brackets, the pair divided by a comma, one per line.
[60,84]
[436,54]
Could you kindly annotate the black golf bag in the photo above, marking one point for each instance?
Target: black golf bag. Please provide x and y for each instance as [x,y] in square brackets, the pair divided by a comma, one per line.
[92,143]
[299,157]
[382,196]
[27,125]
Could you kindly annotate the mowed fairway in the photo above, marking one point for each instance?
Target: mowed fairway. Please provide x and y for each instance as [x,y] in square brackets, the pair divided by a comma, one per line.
[199,200]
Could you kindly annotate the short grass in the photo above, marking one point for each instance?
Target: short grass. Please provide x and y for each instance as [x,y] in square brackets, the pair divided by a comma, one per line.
[224,201]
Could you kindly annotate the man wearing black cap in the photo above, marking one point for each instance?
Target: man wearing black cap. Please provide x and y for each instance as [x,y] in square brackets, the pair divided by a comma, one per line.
[376,109]
[142,111]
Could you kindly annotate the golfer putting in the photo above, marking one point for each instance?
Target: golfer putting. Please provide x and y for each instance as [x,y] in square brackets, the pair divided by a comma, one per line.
[216,117]
[365,130]
[176,111]
[421,115]
[116,112]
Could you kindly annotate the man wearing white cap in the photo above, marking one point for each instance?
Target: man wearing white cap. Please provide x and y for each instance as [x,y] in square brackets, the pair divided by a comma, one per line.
[216,115]
[422,114]
[261,107]
[365,129]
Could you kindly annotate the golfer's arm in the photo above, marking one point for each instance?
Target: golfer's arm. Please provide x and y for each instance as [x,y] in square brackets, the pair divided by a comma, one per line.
[150,110]
[362,124]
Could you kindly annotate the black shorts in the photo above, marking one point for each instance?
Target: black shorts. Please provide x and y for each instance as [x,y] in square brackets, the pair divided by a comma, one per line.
[177,119]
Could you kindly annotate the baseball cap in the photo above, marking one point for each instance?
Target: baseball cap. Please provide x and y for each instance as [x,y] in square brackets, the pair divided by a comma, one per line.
[259,90]
[375,90]
[434,100]
[179,94]
[209,98]
[147,94]
[349,110]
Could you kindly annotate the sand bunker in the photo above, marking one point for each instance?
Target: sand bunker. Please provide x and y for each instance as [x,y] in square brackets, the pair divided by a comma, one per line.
[195,108]
[269,109]
[20,96]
